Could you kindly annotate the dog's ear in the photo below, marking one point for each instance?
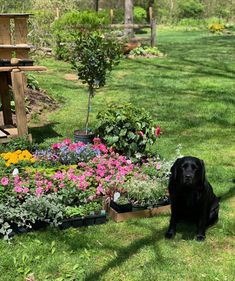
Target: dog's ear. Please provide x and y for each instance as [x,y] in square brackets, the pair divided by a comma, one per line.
[174,169]
[173,176]
[203,172]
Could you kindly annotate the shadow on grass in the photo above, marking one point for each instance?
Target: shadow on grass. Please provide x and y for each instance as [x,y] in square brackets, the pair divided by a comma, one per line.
[41,133]
[125,253]
[229,194]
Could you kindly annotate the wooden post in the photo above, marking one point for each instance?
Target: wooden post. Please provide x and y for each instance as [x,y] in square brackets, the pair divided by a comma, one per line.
[111,16]
[150,14]
[153,33]
[18,91]
[6,99]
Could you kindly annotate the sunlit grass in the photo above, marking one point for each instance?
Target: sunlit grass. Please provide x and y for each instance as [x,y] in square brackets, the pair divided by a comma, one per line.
[190,93]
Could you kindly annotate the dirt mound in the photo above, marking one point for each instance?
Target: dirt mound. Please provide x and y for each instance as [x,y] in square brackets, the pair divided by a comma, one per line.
[38,100]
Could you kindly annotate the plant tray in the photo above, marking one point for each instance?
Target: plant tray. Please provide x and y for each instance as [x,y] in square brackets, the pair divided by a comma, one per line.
[119,217]
[86,221]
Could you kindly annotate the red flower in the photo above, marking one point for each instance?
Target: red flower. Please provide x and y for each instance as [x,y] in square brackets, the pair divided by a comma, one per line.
[157,131]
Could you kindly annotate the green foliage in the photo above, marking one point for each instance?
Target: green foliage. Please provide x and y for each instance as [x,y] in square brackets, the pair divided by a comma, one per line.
[69,26]
[24,214]
[146,51]
[126,128]
[14,144]
[190,9]
[94,56]
[32,82]
[87,209]
[139,15]
[145,191]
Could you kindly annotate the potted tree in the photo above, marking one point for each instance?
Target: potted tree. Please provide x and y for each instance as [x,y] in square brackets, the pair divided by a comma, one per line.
[94,56]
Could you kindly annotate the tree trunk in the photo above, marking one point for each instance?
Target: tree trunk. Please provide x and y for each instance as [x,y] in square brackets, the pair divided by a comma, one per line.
[90,95]
[129,17]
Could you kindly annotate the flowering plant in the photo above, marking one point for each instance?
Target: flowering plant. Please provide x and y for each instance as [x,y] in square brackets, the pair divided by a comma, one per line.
[18,157]
[127,129]
[69,153]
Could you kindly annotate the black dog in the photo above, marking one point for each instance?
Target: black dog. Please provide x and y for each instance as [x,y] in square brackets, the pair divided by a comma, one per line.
[191,196]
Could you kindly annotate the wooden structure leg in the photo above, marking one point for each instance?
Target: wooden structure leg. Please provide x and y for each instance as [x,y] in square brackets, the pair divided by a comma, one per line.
[5,99]
[17,78]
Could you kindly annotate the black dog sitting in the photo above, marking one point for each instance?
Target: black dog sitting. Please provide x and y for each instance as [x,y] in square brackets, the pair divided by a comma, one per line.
[191,196]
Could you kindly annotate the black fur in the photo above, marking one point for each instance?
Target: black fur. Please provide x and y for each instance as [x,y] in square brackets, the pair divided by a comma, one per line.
[191,196]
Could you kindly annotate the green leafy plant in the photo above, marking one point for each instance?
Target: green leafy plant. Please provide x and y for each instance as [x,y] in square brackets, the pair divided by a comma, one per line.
[68,27]
[127,128]
[94,56]
[146,51]
[90,208]
[145,191]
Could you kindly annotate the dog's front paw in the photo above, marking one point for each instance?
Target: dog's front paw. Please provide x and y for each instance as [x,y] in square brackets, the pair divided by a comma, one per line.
[200,237]
[169,234]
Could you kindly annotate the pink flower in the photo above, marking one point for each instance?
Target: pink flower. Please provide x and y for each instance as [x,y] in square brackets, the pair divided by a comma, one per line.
[25,190]
[39,191]
[4,181]
[67,141]
[157,131]
[72,146]
[99,190]
[140,133]
[158,166]
[97,141]
[18,189]
[56,146]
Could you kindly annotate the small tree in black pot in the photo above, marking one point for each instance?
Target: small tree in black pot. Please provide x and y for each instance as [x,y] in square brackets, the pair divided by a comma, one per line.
[94,56]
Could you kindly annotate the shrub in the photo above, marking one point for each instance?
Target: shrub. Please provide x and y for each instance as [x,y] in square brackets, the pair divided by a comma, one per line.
[139,15]
[216,27]
[67,28]
[190,9]
[127,128]
[94,56]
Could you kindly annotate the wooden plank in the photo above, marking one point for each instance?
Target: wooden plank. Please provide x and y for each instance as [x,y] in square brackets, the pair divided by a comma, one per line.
[5,33]
[18,91]
[11,131]
[13,15]
[18,46]
[21,30]
[5,99]
[133,26]
[22,53]
[120,217]
[5,54]
[23,68]
[2,134]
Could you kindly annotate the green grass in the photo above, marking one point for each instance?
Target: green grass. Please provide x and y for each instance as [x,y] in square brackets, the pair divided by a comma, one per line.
[190,93]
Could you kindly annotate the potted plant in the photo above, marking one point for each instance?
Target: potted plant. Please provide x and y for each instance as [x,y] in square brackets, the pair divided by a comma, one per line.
[146,192]
[94,55]
[83,215]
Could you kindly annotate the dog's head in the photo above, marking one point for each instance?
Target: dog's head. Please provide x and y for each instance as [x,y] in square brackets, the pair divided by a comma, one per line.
[188,171]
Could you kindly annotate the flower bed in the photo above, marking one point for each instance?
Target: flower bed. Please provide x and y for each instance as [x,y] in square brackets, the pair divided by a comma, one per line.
[70,180]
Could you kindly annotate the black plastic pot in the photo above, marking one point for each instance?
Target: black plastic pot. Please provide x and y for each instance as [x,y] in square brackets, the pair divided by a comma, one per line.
[81,136]
[121,208]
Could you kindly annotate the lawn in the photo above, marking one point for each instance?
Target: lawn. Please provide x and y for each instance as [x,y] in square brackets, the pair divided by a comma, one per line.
[190,93]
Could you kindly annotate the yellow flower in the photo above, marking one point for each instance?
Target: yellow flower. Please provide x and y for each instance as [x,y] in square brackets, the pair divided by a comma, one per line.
[18,151]
[33,160]
[26,154]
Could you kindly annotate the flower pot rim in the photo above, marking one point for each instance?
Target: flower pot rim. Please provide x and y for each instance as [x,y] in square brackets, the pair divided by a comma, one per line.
[83,132]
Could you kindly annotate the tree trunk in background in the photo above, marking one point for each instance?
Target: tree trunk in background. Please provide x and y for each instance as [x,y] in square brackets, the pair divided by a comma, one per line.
[96,5]
[150,5]
[129,17]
